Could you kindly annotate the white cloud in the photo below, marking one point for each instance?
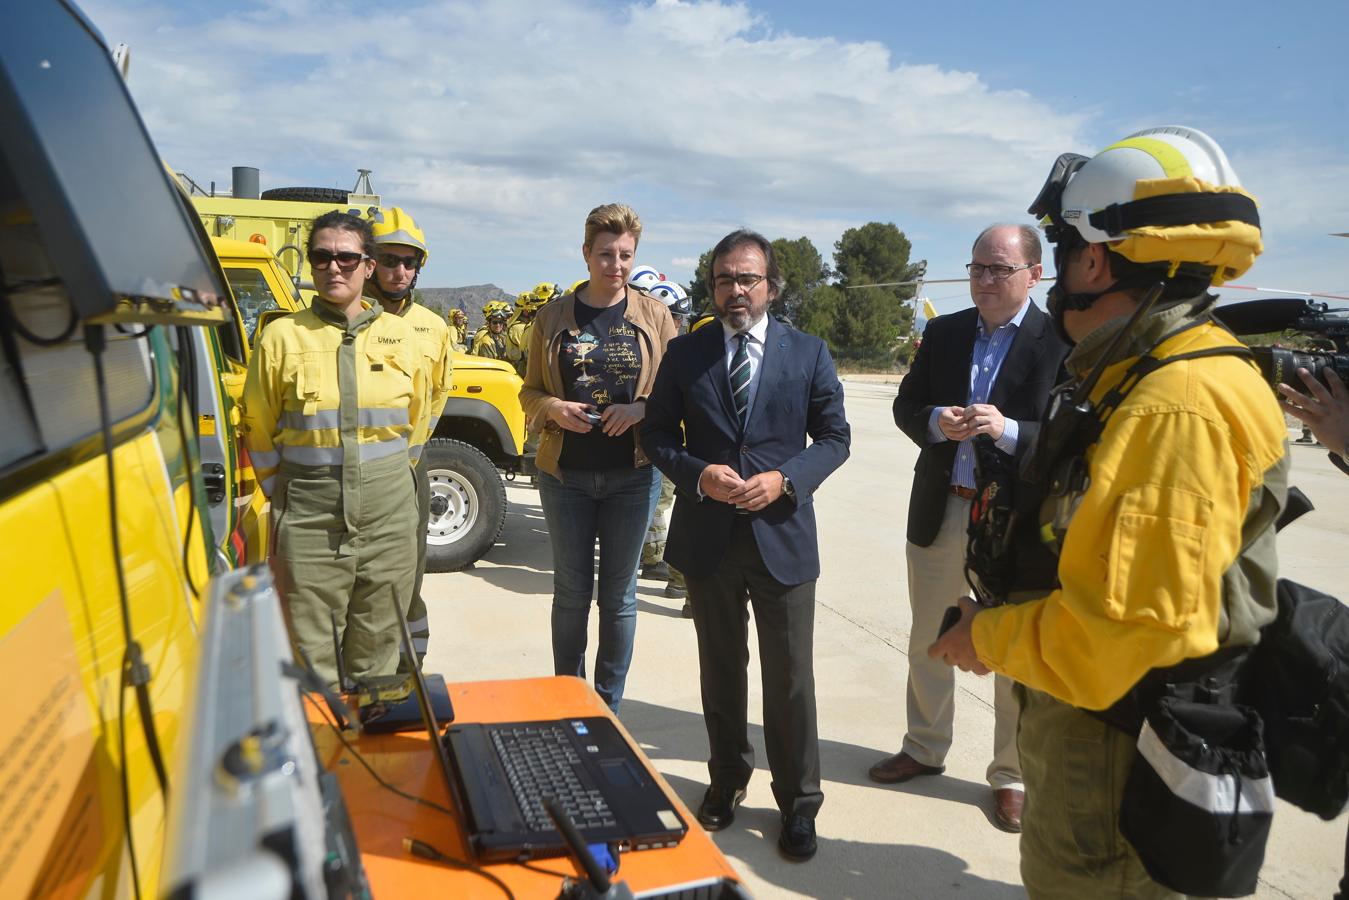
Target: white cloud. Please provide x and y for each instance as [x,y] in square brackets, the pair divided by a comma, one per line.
[499,123]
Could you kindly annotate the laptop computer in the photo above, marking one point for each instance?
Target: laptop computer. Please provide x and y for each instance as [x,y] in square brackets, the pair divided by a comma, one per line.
[497,776]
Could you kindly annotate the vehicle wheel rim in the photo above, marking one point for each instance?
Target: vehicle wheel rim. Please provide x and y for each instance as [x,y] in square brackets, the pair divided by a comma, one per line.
[461,507]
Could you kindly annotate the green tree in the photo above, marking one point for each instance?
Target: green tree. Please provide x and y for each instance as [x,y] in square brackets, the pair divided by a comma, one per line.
[820,312]
[698,292]
[804,271]
[875,320]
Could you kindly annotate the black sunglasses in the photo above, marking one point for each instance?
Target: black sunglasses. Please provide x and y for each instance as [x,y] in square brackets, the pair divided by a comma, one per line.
[393,261]
[346,259]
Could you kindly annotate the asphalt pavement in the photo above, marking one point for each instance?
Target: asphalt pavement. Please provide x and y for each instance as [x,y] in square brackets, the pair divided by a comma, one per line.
[931,837]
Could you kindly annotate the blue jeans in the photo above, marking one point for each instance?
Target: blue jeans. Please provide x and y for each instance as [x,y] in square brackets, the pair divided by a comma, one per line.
[614,507]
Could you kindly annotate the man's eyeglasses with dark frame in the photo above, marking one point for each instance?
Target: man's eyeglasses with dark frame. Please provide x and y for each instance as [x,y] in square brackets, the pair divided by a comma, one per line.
[747,280]
[998,272]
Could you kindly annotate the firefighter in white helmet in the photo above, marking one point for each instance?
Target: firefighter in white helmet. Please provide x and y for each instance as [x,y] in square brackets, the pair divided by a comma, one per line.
[654,566]
[1162,469]
[400,254]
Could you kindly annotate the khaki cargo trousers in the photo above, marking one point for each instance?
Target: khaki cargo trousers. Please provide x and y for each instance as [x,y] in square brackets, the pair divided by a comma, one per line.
[346,544]
[1075,767]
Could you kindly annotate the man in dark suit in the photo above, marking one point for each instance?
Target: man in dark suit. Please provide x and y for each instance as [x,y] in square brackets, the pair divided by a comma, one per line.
[727,422]
[981,371]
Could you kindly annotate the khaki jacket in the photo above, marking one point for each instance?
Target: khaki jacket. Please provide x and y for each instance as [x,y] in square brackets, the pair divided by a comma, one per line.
[543,387]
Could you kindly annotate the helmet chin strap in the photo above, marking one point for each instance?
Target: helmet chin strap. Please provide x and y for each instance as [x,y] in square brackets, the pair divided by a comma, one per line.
[402,295]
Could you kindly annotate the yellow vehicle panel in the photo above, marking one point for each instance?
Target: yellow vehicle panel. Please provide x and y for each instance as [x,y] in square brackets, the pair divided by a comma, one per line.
[282,226]
[55,547]
[496,382]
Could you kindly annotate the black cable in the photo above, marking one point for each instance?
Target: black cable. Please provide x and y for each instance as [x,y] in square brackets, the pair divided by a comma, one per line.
[187,368]
[366,765]
[126,792]
[426,851]
[412,845]
[135,672]
[8,318]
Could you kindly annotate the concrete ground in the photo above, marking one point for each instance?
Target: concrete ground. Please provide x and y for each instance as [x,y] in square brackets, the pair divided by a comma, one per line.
[932,837]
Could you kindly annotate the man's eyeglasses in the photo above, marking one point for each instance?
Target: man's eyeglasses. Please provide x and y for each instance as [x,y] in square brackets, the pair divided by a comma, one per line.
[977,270]
[346,259]
[393,261]
[747,280]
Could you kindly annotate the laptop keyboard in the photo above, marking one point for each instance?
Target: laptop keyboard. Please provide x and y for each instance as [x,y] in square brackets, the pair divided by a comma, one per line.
[540,761]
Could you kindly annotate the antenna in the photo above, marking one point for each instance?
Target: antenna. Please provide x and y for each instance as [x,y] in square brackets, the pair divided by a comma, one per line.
[363,182]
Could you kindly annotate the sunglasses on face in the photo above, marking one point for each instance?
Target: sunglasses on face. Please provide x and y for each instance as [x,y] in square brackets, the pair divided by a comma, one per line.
[346,259]
[393,261]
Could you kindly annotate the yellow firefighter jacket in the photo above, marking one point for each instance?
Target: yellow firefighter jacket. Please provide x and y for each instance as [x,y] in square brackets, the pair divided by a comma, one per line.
[322,391]
[433,336]
[1170,553]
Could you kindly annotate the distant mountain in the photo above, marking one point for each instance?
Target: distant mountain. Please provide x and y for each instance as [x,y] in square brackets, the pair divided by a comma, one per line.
[470,299]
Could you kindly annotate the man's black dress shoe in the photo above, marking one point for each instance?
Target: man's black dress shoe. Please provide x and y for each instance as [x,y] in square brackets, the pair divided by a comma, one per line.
[718,807]
[797,840]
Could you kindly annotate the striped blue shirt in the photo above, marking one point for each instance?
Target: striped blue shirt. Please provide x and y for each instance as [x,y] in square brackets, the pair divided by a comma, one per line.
[989,352]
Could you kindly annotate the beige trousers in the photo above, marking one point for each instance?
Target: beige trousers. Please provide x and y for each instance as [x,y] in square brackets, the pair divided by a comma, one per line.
[936,581]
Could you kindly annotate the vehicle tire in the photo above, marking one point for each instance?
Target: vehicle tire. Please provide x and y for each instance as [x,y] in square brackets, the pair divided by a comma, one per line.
[306,194]
[468,505]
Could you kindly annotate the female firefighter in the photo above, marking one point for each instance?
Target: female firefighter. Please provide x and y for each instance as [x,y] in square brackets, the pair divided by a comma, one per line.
[334,396]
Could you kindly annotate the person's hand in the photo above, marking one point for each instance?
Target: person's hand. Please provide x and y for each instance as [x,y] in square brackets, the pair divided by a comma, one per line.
[757,491]
[571,416]
[718,481]
[619,417]
[1326,412]
[951,421]
[956,647]
[984,418]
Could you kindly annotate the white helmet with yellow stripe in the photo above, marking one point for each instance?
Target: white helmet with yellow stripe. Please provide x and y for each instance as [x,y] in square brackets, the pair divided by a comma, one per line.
[1161,195]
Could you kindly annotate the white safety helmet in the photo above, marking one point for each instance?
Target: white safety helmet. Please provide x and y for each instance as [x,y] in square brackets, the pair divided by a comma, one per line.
[644,277]
[673,296]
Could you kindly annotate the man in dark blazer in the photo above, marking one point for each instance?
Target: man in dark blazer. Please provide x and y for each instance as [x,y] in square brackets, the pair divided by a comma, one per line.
[727,422]
[987,371]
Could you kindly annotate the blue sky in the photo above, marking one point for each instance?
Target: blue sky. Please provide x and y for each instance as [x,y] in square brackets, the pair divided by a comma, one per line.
[500,124]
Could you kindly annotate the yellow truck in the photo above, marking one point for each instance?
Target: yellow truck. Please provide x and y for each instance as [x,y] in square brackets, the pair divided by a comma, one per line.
[260,242]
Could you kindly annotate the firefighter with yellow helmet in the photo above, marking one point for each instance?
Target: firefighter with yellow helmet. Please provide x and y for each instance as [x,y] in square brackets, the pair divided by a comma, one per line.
[527,305]
[1162,467]
[334,397]
[490,341]
[400,254]
[458,324]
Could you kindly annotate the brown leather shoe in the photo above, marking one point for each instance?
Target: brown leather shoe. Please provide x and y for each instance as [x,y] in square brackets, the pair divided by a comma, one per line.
[900,767]
[1007,804]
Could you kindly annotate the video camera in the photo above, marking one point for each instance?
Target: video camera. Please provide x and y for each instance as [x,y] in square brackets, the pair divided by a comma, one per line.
[1279,365]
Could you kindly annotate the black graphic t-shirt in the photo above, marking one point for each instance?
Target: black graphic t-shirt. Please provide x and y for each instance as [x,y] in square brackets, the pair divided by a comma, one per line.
[600,366]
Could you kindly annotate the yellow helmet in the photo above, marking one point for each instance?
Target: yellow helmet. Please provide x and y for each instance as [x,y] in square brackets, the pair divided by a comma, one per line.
[495,309]
[545,291]
[456,316]
[395,226]
[573,289]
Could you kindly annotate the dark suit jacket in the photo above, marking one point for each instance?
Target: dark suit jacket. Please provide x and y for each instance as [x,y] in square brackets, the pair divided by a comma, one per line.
[940,376]
[798,395]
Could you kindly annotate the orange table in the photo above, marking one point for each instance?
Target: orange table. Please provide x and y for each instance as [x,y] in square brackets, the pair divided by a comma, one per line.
[382,819]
